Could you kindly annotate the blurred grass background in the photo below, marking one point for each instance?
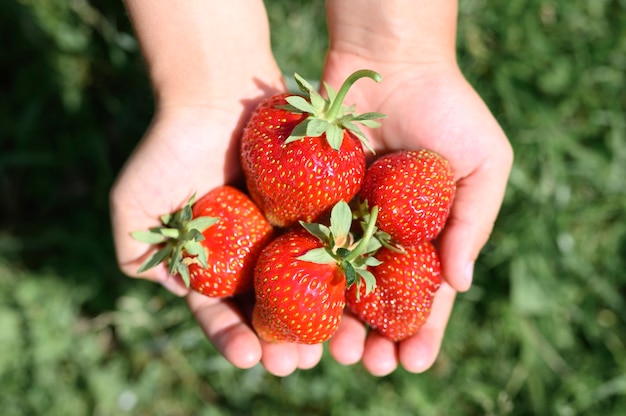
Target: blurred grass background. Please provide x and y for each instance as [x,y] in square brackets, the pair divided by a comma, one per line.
[542,331]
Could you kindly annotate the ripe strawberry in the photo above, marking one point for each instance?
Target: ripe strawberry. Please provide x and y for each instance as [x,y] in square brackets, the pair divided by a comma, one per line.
[212,243]
[296,300]
[301,278]
[413,190]
[302,154]
[405,286]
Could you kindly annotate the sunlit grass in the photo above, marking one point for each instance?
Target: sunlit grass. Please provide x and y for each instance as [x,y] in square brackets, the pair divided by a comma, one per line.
[541,332]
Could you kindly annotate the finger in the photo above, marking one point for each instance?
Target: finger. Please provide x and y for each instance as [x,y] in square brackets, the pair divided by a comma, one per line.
[224,325]
[380,356]
[475,208]
[280,359]
[144,190]
[174,284]
[132,254]
[158,274]
[128,215]
[309,355]
[347,344]
[418,353]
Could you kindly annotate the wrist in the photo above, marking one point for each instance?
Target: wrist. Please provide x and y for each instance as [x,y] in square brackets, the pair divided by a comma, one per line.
[394,31]
[198,51]
[216,89]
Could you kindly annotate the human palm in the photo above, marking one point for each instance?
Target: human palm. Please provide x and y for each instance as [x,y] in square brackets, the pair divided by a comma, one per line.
[429,106]
[175,159]
[193,148]
[189,149]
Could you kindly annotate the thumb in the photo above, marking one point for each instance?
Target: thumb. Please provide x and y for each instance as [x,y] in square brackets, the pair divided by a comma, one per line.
[477,202]
[131,254]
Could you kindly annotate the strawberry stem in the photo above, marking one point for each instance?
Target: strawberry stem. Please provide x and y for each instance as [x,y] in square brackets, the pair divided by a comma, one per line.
[367,236]
[337,103]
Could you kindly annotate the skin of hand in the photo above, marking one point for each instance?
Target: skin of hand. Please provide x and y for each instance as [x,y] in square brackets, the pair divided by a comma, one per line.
[201,108]
[202,102]
[151,183]
[429,104]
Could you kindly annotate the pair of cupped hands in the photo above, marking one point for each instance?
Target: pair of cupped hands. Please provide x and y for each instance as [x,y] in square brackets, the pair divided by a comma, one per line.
[192,146]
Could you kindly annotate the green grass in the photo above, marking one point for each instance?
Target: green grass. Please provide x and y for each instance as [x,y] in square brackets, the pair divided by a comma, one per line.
[542,331]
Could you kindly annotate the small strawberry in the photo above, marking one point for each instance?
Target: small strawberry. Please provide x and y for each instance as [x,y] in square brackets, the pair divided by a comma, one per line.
[212,243]
[301,154]
[413,190]
[301,278]
[405,286]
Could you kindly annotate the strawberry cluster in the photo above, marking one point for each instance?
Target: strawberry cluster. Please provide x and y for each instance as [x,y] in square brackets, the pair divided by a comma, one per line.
[316,230]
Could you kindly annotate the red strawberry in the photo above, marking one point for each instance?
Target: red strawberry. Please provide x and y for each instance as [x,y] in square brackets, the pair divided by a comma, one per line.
[405,286]
[413,191]
[296,300]
[301,278]
[212,245]
[302,154]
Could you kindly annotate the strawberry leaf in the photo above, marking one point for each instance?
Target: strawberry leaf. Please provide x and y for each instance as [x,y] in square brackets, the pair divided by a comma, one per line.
[373,245]
[156,258]
[183,270]
[320,231]
[301,104]
[318,102]
[365,117]
[170,232]
[350,273]
[334,136]
[318,255]
[385,240]
[340,221]
[166,218]
[298,132]
[194,248]
[185,213]
[353,128]
[288,107]
[372,261]
[175,259]
[368,278]
[331,93]
[342,253]
[202,223]
[316,127]
[194,235]
[372,124]
[303,84]
[365,261]
[148,237]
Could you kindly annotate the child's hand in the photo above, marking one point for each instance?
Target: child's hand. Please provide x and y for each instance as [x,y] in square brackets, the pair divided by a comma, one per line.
[430,106]
[187,150]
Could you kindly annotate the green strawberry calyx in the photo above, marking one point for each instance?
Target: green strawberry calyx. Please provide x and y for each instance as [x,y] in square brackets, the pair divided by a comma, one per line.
[330,116]
[362,214]
[178,233]
[341,247]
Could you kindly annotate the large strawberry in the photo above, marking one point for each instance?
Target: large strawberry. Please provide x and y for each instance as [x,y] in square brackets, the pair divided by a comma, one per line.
[212,243]
[413,190]
[405,286]
[301,154]
[301,278]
